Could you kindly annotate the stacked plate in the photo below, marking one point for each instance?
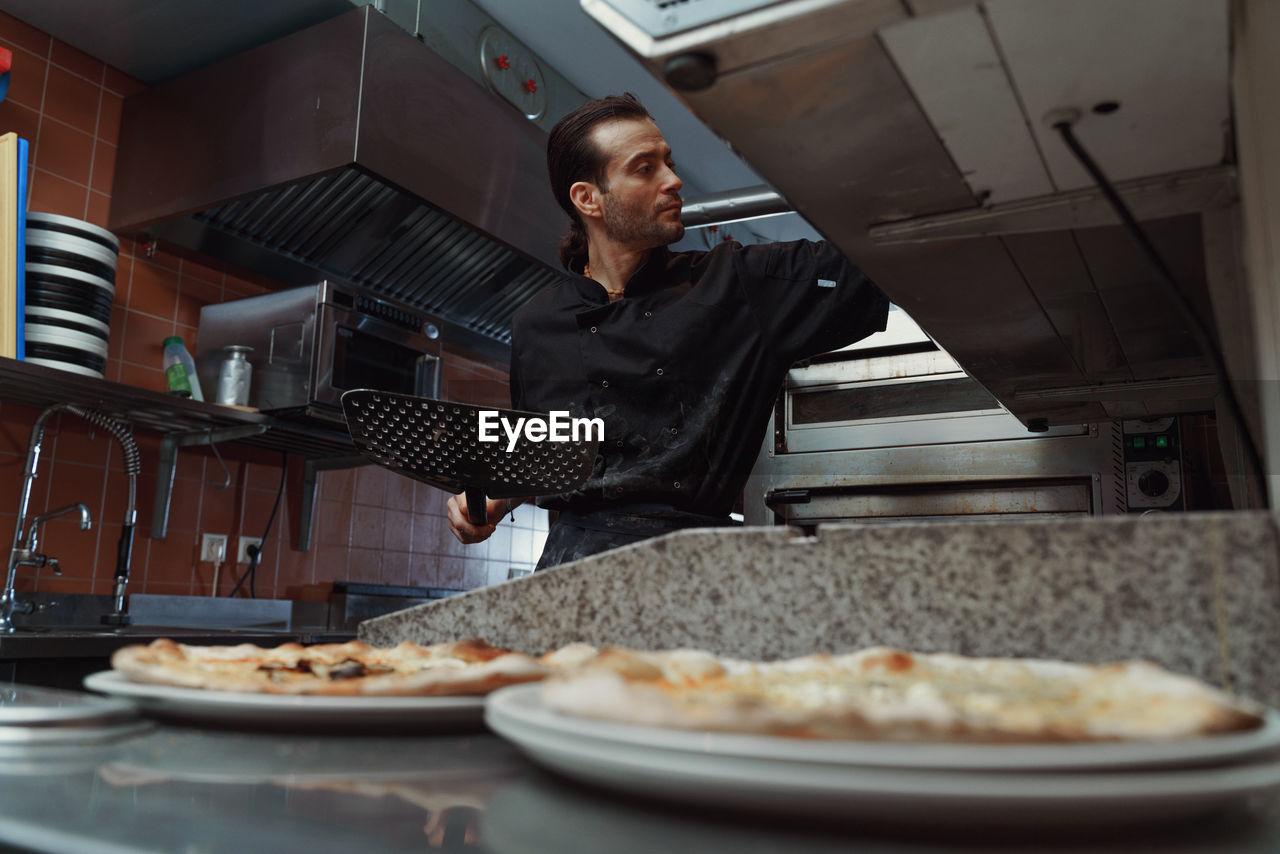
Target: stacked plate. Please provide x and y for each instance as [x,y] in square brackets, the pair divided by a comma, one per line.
[985,785]
[71,271]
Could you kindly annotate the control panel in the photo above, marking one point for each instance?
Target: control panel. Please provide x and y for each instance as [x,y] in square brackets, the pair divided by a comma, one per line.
[406,318]
[1153,464]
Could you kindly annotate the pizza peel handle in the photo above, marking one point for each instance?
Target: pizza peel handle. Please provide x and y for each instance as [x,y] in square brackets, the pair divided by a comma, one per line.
[477,506]
[437,442]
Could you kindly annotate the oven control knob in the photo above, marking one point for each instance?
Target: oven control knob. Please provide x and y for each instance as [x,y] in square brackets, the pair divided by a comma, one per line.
[1153,483]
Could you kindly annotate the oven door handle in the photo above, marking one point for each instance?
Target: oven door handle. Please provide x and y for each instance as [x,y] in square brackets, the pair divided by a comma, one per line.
[776,497]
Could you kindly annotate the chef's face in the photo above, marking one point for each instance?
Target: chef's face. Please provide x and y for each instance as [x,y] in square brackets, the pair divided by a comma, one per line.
[641,191]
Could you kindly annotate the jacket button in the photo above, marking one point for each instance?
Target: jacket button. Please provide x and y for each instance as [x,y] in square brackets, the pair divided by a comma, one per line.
[593,329]
[604,384]
[648,314]
[619,443]
[673,431]
[659,371]
[676,484]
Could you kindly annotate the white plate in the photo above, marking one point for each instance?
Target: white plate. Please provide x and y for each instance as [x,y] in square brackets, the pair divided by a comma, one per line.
[830,778]
[349,713]
[1216,750]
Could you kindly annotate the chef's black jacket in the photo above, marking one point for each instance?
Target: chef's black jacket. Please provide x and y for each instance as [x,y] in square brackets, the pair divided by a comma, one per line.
[685,368]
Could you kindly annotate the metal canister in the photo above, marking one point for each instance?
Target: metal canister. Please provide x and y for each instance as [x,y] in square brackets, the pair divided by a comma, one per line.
[233,378]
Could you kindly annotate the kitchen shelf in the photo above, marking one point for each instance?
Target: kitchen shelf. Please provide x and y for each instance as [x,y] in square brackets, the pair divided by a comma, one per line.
[183,422]
[38,386]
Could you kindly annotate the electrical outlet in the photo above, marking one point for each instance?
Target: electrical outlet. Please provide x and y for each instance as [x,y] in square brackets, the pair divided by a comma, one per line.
[213,548]
[242,554]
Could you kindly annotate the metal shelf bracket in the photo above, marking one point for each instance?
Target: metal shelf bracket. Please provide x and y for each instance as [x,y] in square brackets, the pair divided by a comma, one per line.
[310,469]
[168,464]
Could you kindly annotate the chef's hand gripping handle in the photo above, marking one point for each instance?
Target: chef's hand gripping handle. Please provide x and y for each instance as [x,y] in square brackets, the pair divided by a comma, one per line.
[476,505]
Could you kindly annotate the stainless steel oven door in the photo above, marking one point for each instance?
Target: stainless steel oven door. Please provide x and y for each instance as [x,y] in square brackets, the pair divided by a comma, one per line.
[358,351]
[911,436]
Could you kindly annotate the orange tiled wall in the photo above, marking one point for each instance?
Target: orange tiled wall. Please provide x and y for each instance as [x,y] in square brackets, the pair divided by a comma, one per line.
[370,525]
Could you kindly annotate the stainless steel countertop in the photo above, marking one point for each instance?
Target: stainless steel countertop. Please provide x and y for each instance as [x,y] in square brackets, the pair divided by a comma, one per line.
[185,789]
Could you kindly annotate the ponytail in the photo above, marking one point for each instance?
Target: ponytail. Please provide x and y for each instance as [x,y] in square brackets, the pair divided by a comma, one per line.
[573,246]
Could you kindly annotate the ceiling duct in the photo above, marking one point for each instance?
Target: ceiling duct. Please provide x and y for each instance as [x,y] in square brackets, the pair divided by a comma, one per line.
[733,206]
[352,150]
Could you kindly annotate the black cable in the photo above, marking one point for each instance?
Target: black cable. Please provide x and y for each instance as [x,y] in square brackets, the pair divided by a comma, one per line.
[255,552]
[1203,339]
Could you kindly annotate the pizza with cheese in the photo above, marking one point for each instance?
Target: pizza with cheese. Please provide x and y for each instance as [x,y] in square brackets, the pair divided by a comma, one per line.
[465,667]
[891,695]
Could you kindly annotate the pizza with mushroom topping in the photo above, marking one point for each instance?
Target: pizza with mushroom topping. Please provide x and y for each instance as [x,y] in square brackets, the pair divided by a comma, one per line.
[465,667]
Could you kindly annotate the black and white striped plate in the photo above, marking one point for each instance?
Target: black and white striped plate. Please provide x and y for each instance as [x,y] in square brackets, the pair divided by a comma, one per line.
[70,319]
[74,227]
[52,245]
[65,274]
[88,310]
[85,342]
[67,359]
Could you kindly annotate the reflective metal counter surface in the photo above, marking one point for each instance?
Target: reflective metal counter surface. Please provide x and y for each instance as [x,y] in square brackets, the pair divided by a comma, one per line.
[180,789]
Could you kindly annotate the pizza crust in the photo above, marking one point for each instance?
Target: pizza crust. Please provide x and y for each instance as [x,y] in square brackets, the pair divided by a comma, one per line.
[892,695]
[466,667]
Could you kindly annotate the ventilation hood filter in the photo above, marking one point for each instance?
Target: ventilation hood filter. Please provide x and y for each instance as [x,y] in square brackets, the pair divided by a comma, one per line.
[349,150]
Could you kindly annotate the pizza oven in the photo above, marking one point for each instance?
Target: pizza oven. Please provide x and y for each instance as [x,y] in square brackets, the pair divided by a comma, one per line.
[892,428]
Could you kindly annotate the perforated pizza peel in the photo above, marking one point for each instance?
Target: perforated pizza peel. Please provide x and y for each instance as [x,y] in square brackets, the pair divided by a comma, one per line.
[438,443]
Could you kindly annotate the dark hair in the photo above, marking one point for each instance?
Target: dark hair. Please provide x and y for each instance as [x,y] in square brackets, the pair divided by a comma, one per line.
[573,157]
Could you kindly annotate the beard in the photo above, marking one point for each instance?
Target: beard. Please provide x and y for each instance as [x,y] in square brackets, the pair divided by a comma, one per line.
[633,224]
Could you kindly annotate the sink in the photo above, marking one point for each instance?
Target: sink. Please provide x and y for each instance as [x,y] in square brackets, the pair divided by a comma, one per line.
[155,615]
[80,630]
[92,630]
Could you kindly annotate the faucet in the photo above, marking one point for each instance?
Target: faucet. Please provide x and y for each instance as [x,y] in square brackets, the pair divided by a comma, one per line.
[26,554]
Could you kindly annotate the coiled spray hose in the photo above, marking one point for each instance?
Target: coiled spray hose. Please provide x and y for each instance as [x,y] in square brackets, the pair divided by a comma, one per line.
[129,448]
[132,465]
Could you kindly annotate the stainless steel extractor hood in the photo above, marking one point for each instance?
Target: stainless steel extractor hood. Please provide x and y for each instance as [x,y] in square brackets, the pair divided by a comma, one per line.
[913,136]
[349,149]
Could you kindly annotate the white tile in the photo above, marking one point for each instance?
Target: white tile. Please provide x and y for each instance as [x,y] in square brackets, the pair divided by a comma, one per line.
[500,544]
[497,572]
[541,520]
[522,546]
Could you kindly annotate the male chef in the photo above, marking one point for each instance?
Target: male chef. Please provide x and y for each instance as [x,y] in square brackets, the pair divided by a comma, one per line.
[680,354]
